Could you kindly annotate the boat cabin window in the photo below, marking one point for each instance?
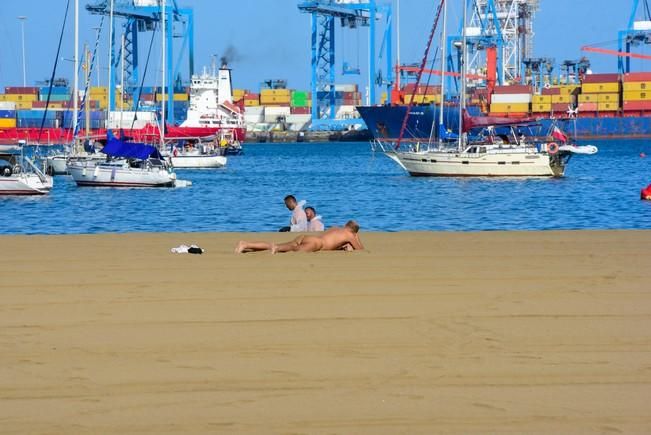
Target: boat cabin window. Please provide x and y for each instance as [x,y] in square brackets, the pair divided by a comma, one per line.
[472,150]
[482,150]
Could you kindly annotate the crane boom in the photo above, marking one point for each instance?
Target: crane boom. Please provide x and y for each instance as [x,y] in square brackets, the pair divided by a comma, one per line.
[436,72]
[615,52]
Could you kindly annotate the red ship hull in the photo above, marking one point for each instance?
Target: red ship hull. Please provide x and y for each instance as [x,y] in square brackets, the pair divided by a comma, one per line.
[57,136]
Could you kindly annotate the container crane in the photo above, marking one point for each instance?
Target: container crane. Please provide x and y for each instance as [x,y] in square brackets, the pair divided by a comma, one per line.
[143,16]
[351,15]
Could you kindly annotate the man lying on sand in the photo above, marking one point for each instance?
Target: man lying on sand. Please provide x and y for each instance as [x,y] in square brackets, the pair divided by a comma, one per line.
[346,238]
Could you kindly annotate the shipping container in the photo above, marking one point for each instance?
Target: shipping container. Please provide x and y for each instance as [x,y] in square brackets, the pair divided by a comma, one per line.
[600,78]
[588,98]
[588,106]
[607,107]
[541,107]
[514,89]
[606,87]
[637,95]
[177,97]
[301,110]
[509,107]
[608,98]
[17,98]
[25,90]
[7,114]
[541,99]
[251,102]
[7,122]
[636,86]
[274,99]
[637,77]
[560,107]
[551,91]
[286,93]
[562,98]
[637,105]
[511,98]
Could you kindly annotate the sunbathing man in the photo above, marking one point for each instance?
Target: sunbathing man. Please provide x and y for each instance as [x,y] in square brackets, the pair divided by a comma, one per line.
[346,238]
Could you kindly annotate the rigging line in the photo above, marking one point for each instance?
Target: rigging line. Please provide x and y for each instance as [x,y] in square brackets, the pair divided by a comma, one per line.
[420,73]
[429,77]
[54,70]
[142,81]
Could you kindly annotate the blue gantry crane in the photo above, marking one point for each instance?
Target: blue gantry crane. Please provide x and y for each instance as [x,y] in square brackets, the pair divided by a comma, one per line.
[145,16]
[638,32]
[324,15]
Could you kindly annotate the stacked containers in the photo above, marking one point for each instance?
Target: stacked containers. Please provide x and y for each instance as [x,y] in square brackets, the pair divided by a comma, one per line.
[422,94]
[275,97]
[251,100]
[7,114]
[34,118]
[301,103]
[56,93]
[512,100]
[636,95]
[599,93]
[22,96]
[99,94]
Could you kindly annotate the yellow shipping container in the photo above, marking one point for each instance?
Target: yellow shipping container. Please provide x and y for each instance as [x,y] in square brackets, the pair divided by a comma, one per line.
[23,105]
[610,87]
[177,97]
[561,98]
[509,107]
[424,99]
[274,99]
[566,89]
[541,107]
[637,95]
[250,103]
[98,90]
[275,93]
[608,98]
[7,122]
[16,98]
[589,98]
[637,86]
[542,99]
[239,93]
[607,107]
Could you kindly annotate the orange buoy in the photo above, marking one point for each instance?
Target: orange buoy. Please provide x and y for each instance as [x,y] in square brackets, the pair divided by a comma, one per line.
[552,148]
[642,154]
[645,194]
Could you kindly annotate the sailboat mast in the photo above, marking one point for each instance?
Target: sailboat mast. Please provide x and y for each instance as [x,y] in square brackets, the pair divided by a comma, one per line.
[164,102]
[87,86]
[75,86]
[110,67]
[462,98]
[443,56]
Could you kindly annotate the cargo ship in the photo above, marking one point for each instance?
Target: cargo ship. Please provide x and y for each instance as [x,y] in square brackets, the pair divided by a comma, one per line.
[601,106]
[207,106]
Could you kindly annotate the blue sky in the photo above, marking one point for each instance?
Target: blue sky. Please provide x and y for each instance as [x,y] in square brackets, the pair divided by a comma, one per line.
[272,38]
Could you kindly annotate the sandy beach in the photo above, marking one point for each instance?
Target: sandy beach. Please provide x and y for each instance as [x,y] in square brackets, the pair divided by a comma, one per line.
[518,332]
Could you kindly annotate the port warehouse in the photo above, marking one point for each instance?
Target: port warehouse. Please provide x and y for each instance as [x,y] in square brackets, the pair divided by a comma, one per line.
[24,107]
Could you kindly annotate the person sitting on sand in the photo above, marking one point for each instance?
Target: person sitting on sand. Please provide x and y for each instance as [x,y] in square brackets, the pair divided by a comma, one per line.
[298,221]
[346,238]
[314,223]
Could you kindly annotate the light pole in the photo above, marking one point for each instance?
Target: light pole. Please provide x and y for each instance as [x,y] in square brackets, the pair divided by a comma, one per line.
[22,19]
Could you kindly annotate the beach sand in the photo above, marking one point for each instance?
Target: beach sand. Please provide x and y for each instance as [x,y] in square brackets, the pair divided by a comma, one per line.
[517,332]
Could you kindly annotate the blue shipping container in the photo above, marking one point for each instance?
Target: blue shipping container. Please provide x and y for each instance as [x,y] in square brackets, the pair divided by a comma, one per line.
[8,114]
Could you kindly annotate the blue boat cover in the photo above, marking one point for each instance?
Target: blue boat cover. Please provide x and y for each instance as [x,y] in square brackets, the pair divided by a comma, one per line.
[132,150]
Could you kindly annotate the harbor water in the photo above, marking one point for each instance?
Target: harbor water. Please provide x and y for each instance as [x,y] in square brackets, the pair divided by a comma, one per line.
[344,181]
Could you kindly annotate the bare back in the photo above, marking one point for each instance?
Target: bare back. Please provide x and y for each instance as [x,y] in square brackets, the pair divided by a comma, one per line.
[337,238]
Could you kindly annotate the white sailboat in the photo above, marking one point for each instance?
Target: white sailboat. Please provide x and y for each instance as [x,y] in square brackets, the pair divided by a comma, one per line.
[197,154]
[503,155]
[127,164]
[20,176]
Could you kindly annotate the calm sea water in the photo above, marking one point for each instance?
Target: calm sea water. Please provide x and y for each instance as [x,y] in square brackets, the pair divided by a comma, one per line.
[343,181]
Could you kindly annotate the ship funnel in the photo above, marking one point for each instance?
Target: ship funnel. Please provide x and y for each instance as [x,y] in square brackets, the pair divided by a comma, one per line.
[225,86]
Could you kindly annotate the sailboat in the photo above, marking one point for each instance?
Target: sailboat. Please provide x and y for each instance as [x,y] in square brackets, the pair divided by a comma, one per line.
[504,152]
[20,176]
[127,164]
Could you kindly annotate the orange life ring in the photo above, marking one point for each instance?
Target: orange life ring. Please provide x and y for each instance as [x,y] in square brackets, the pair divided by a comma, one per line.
[552,148]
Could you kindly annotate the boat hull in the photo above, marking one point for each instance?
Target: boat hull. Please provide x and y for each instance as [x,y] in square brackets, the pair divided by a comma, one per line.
[448,164]
[25,184]
[98,175]
[198,161]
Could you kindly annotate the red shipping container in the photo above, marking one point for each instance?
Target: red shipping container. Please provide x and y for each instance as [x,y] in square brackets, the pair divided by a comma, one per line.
[637,105]
[21,90]
[551,91]
[637,77]
[587,107]
[301,110]
[601,78]
[560,107]
[515,89]
[421,90]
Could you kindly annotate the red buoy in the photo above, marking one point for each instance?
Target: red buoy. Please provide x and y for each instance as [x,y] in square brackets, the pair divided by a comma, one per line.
[645,194]
[642,154]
